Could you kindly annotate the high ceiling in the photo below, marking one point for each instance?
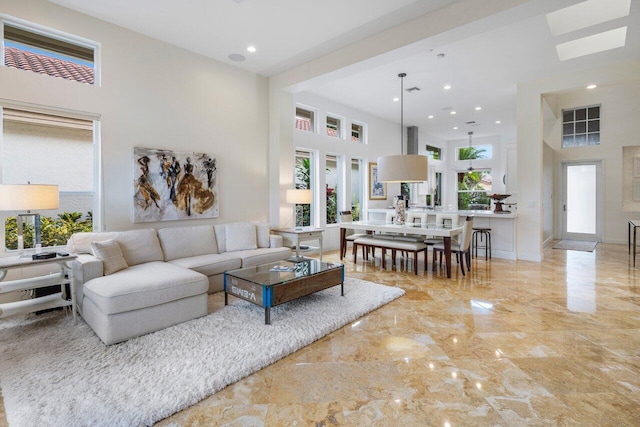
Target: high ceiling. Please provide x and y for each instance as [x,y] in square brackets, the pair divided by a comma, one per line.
[482,62]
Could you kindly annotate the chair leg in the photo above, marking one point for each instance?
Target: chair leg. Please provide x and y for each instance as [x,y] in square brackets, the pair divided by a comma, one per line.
[384,258]
[355,252]
[468,255]
[415,262]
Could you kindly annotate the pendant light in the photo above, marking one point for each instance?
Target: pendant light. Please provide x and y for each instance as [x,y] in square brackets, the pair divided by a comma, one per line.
[470,168]
[405,167]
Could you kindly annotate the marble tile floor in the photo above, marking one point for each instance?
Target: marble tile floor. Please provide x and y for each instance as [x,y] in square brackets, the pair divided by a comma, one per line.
[512,343]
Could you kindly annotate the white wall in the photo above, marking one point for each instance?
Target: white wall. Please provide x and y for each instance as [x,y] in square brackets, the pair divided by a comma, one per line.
[159,96]
[619,127]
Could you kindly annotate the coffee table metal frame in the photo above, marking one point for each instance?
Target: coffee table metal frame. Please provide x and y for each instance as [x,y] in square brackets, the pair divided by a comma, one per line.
[263,286]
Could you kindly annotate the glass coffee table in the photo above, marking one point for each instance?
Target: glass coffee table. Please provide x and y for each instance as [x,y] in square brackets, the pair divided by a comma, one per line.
[272,284]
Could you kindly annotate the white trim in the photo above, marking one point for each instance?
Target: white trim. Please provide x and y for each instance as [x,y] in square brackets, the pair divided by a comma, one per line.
[364,136]
[314,122]
[341,133]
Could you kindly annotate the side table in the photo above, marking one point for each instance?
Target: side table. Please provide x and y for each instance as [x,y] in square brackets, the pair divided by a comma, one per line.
[63,277]
[294,236]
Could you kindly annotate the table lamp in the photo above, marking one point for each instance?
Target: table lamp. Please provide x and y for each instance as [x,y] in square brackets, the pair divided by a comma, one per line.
[299,197]
[28,197]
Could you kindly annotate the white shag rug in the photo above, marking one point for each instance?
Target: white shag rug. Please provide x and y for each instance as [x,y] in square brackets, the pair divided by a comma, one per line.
[55,373]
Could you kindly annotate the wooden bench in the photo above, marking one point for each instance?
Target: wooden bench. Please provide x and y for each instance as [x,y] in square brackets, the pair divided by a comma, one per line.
[399,243]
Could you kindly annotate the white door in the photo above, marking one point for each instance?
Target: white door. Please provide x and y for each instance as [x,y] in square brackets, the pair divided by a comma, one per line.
[582,201]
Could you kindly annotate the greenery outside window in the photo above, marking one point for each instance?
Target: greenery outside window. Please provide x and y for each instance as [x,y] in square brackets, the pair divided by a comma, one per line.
[332,189]
[304,180]
[473,189]
[434,153]
[475,152]
[357,178]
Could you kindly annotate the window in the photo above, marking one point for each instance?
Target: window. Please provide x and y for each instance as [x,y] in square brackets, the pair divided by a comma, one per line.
[434,153]
[475,152]
[356,188]
[305,119]
[334,127]
[357,132]
[41,51]
[333,167]
[581,126]
[304,180]
[50,149]
[474,189]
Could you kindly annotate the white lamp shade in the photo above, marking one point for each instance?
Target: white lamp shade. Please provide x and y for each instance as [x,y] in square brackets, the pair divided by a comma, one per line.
[26,197]
[299,197]
[403,168]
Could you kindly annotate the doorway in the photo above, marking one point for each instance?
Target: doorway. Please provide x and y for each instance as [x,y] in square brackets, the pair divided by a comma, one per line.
[582,201]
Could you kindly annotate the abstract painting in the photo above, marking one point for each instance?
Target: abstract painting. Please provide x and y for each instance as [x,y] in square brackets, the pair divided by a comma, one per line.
[171,185]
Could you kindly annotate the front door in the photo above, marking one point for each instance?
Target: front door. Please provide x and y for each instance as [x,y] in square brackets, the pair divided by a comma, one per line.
[582,201]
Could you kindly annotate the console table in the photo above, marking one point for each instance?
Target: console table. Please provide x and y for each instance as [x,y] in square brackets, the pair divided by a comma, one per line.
[293,236]
[633,225]
[61,278]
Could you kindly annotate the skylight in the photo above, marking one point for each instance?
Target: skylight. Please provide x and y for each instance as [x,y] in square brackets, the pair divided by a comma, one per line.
[592,44]
[586,14]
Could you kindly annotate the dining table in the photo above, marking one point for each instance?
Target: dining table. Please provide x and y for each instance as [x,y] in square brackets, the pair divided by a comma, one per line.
[406,229]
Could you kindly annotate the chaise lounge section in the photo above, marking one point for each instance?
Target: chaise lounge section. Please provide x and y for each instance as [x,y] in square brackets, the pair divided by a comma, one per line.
[161,278]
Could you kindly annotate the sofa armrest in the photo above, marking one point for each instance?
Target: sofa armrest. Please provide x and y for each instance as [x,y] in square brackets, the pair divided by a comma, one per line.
[275,241]
[86,267]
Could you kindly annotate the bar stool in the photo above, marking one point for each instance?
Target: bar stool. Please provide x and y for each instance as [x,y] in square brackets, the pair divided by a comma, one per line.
[485,235]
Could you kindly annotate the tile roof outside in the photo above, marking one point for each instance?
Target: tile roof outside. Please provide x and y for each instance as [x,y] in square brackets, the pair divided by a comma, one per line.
[46,65]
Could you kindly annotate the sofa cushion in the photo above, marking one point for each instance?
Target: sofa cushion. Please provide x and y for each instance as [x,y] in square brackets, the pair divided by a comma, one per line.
[254,257]
[184,242]
[138,246]
[241,236]
[110,254]
[221,238]
[144,285]
[210,265]
[262,232]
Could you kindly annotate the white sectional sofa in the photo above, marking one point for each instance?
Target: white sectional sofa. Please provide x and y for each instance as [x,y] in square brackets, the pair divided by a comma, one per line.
[165,275]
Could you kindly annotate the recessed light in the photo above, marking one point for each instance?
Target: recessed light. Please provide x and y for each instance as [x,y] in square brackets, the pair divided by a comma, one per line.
[478,108]
[430,117]
[236,57]
[592,86]
[251,49]
[447,87]
[396,99]
[452,112]
[455,128]
[498,122]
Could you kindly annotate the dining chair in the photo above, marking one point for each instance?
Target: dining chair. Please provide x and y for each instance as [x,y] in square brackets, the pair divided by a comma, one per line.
[443,219]
[462,248]
[350,234]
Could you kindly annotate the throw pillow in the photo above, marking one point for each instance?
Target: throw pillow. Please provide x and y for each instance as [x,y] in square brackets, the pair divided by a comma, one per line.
[241,236]
[263,231]
[109,252]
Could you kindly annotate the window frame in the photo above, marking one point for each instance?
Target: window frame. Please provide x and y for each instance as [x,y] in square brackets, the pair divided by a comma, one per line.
[53,34]
[430,149]
[363,137]
[478,146]
[339,188]
[313,184]
[486,192]
[339,128]
[587,121]
[314,117]
[97,201]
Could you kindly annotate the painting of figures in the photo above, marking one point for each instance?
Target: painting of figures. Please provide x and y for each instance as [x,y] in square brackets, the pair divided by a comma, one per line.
[170,185]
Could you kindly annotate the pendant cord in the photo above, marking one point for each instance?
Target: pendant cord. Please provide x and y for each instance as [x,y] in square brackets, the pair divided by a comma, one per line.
[402,76]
